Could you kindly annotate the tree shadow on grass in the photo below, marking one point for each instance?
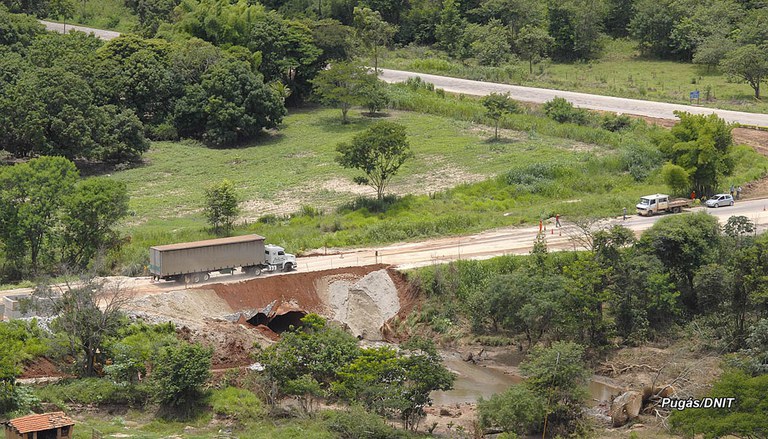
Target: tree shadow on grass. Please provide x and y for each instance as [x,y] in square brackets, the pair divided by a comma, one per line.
[375,206]
[333,124]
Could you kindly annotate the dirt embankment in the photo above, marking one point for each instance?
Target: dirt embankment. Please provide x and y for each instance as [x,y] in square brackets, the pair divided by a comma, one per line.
[222,315]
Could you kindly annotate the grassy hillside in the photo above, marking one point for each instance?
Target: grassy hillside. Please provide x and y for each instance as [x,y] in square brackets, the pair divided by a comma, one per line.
[619,72]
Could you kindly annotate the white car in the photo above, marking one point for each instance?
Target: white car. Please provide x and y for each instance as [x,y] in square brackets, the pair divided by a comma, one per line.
[720,200]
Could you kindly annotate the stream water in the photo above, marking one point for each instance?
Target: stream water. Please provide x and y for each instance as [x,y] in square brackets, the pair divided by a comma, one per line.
[475,380]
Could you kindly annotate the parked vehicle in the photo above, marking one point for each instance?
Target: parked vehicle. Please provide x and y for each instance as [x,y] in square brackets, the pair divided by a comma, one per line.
[192,262]
[720,200]
[653,204]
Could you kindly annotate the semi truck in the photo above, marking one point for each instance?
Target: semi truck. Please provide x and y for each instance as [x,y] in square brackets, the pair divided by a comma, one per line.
[652,204]
[193,262]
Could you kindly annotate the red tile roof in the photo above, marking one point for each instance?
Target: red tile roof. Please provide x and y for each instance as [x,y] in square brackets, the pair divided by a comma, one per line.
[45,421]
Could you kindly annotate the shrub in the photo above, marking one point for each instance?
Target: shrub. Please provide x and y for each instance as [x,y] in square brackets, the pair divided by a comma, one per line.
[616,122]
[239,404]
[357,423]
[518,410]
[94,391]
[563,111]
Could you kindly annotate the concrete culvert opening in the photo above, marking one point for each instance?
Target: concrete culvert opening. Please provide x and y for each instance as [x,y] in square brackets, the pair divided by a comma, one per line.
[283,322]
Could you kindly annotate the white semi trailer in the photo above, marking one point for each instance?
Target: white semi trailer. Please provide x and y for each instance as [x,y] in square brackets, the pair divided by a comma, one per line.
[192,262]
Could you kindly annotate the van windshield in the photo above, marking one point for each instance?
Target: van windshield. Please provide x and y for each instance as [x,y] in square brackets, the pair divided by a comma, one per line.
[644,201]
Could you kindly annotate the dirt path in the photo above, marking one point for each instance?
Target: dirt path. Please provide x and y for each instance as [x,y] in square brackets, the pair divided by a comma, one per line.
[593,102]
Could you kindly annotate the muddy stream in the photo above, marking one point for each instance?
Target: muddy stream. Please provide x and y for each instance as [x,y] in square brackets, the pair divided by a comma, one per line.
[476,380]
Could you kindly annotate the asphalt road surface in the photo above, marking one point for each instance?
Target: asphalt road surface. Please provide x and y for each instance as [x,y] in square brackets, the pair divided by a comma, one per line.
[638,107]
[64,28]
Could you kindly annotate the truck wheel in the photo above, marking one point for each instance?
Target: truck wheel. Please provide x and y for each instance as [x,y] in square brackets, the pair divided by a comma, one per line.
[256,271]
[676,210]
[206,276]
[287,267]
[196,278]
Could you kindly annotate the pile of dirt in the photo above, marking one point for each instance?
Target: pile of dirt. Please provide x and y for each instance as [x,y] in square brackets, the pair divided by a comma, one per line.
[180,306]
[365,305]
[233,343]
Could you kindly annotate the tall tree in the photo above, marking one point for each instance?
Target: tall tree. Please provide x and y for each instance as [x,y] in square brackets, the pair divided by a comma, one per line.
[88,314]
[576,27]
[559,374]
[379,152]
[532,43]
[683,243]
[373,32]
[221,207]
[450,29]
[229,105]
[342,85]
[180,373]
[748,64]
[701,145]
[89,217]
[496,106]
[31,195]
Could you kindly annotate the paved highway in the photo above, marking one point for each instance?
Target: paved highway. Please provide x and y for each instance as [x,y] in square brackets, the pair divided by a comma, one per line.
[638,107]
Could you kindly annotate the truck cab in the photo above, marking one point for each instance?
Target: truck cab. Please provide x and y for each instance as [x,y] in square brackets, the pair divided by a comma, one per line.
[651,204]
[278,258]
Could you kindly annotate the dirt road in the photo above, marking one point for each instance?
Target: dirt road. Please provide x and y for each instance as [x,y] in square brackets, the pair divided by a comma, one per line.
[504,241]
[593,102]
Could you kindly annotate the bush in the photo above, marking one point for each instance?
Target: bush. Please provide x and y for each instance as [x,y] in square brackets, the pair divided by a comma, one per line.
[517,410]
[616,122]
[563,111]
[94,391]
[239,404]
[640,160]
[357,423]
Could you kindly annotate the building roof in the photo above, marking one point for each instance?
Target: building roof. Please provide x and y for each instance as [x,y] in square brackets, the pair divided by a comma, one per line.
[209,242]
[45,421]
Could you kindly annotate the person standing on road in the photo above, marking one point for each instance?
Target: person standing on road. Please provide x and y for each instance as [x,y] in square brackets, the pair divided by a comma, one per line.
[625,214]
[693,195]
[731,190]
[557,220]
[738,193]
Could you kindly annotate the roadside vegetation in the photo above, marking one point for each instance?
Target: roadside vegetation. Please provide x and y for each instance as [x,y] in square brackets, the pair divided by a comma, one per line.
[685,275]
[619,71]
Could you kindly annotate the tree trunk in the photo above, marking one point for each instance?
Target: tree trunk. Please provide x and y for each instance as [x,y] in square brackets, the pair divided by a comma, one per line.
[496,133]
[344,109]
[530,65]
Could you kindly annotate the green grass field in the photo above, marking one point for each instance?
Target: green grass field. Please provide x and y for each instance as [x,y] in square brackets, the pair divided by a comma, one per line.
[619,72]
[459,182]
